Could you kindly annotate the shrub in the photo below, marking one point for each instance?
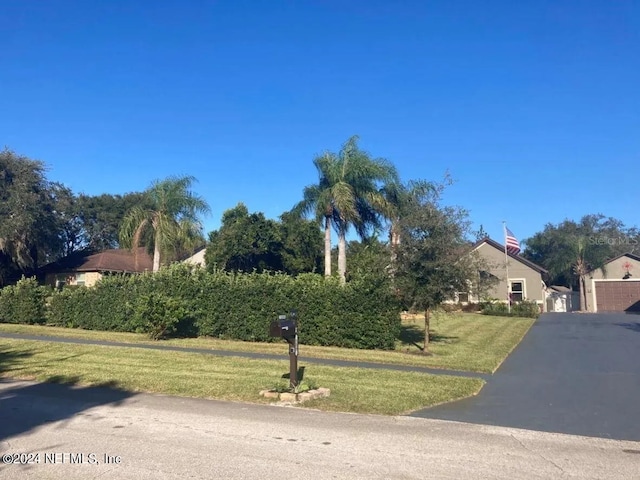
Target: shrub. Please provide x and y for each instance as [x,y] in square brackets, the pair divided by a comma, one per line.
[525,308]
[361,314]
[23,302]
[160,314]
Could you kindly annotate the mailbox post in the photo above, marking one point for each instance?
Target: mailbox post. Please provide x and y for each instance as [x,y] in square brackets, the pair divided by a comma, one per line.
[287,328]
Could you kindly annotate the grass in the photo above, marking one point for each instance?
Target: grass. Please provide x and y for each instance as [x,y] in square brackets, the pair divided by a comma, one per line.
[236,379]
[461,341]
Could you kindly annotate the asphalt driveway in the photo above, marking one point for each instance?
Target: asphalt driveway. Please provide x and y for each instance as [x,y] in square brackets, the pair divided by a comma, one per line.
[573,373]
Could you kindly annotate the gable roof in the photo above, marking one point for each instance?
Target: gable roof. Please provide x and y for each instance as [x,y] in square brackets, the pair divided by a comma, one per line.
[518,258]
[613,259]
[115,260]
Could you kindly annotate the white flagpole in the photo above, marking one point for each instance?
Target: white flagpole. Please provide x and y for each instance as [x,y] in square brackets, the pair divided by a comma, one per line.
[506,266]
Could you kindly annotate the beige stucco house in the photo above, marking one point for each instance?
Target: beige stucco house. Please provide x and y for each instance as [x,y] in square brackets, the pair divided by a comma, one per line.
[616,287]
[84,268]
[197,258]
[524,280]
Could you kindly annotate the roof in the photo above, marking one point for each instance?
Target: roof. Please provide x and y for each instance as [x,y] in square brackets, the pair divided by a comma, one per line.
[518,258]
[630,255]
[115,260]
[197,258]
[560,288]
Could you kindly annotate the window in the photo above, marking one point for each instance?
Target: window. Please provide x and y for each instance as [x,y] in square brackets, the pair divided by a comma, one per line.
[517,291]
[463,297]
[80,279]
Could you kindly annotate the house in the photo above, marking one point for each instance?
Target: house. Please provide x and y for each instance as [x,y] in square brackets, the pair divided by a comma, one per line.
[615,287]
[86,268]
[524,281]
[562,299]
[197,258]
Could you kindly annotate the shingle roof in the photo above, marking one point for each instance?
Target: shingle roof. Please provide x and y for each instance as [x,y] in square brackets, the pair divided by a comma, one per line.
[115,260]
[518,258]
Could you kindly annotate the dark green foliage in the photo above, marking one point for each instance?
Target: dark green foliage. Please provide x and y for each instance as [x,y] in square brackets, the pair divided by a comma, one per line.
[245,242]
[368,258]
[571,248]
[107,306]
[361,314]
[302,244]
[29,222]
[519,309]
[100,217]
[23,302]
[160,314]
[250,242]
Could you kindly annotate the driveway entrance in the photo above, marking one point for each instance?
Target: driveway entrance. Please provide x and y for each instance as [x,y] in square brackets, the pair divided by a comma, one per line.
[573,373]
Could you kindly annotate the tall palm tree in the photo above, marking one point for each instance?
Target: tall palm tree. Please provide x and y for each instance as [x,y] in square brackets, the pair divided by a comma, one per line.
[172,221]
[347,194]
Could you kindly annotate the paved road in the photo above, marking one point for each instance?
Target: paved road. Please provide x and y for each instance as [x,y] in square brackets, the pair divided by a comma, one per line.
[572,373]
[161,437]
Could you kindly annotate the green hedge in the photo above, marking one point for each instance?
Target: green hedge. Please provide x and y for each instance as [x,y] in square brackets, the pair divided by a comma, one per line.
[360,314]
[24,302]
[519,309]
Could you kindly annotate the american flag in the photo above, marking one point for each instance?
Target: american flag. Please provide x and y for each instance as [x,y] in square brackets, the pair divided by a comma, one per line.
[513,247]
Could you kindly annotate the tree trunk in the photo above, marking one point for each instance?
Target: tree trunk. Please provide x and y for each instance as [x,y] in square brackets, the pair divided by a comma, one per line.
[342,256]
[394,237]
[156,253]
[327,246]
[427,325]
[583,295]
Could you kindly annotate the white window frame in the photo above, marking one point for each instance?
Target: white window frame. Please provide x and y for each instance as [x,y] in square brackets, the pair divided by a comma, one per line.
[524,287]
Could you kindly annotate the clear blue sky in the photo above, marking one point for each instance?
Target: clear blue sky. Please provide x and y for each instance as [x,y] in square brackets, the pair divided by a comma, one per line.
[532,106]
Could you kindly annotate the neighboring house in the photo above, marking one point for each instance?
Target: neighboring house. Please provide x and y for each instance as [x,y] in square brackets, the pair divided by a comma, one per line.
[197,258]
[616,287]
[562,299]
[83,268]
[524,281]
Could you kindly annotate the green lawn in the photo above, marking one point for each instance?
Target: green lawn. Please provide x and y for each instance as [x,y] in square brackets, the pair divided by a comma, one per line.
[237,379]
[461,341]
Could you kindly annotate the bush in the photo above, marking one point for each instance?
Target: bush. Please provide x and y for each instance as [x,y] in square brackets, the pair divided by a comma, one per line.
[525,308]
[239,306]
[23,302]
[160,314]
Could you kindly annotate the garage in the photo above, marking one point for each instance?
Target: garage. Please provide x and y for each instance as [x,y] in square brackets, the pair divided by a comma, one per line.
[617,295]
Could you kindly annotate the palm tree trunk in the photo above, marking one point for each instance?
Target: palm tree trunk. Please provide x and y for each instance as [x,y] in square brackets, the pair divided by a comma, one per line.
[156,253]
[394,237]
[342,256]
[583,295]
[327,246]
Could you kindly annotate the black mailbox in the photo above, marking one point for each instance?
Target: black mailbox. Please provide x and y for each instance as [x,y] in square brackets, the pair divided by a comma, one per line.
[287,328]
[283,328]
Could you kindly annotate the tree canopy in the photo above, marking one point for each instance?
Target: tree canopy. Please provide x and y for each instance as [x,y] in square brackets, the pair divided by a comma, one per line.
[29,220]
[571,249]
[249,241]
[348,193]
[171,223]
[433,259]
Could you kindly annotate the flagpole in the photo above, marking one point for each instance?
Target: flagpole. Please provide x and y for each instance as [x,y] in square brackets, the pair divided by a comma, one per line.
[506,265]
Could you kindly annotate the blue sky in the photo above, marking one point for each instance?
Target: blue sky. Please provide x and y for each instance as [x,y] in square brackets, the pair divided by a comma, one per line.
[533,107]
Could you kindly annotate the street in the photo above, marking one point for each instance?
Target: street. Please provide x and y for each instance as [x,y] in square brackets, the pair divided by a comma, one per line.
[81,433]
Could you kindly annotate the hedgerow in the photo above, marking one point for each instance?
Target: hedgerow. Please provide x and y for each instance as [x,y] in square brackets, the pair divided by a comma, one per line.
[239,306]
